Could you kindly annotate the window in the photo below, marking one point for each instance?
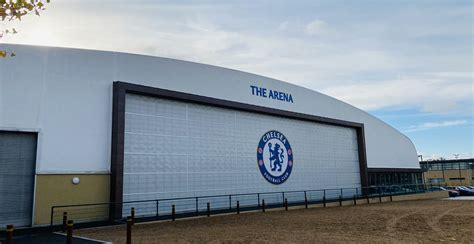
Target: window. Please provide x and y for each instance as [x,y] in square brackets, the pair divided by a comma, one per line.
[395,178]
[436,180]
[461,165]
[439,165]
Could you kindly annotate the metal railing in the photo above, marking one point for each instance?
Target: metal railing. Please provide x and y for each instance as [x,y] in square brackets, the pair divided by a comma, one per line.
[99,214]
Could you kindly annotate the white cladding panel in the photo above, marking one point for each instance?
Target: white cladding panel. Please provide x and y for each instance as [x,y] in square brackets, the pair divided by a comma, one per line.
[66,95]
[177,149]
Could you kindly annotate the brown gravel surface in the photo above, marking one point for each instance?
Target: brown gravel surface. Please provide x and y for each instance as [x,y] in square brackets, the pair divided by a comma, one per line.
[397,222]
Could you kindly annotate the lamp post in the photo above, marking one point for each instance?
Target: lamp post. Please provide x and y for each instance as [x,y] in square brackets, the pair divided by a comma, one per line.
[456,156]
[420,157]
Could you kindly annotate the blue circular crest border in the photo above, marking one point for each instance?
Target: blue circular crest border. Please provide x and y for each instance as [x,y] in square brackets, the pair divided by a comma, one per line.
[276,180]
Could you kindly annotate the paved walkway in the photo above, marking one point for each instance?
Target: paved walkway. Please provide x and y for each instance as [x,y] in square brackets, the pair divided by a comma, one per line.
[468,198]
[47,238]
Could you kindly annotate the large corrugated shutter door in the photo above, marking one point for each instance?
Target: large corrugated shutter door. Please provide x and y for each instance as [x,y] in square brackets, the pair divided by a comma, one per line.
[178,149]
[17,172]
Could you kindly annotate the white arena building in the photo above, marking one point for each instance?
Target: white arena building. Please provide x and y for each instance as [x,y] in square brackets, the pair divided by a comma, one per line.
[82,126]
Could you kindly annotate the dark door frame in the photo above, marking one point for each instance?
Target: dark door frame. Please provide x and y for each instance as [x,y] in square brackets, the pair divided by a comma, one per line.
[120,89]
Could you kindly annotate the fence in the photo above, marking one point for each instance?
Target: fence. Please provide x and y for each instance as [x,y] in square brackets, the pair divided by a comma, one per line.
[160,209]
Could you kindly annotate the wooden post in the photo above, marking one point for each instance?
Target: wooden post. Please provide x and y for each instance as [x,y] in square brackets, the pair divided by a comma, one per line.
[157,208]
[340,200]
[129,229]
[197,207]
[132,213]
[286,204]
[368,199]
[208,209]
[324,201]
[70,225]
[173,212]
[238,207]
[355,200]
[64,221]
[263,205]
[305,200]
[9,234]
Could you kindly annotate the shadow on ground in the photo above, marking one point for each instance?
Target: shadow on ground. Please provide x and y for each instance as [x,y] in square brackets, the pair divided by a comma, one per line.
[46,238]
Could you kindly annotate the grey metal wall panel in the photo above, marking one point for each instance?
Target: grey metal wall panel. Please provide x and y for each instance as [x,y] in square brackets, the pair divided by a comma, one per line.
[17,164]
[177,149]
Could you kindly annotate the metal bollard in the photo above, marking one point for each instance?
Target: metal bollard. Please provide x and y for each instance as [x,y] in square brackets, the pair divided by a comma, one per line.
[208,209]
[173,212]
[132,213]
[340,200]
[157,208]
[70,225]
[305,201]
[238,207]
[9,234]
[197,206]
[129,229]
[324,201]
[263,205]
[64,221]
[286,204]
[355,200]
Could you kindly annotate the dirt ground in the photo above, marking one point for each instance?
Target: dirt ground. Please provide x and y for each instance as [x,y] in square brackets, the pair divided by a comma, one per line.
[395,222]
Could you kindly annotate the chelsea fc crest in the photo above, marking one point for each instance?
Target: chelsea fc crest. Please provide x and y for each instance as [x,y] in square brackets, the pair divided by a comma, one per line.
[275,157]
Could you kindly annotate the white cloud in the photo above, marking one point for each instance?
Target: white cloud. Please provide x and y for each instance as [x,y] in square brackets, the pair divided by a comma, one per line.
[283,26]
[433,125]
[428,93]
[315,27]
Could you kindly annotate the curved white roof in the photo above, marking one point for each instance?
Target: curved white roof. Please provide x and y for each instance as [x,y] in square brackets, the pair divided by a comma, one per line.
[67,94]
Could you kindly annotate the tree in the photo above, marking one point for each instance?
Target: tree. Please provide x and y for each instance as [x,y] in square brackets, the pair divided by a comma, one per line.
[11,10]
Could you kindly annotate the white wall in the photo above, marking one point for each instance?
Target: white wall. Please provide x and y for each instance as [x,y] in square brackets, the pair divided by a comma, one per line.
[66,95]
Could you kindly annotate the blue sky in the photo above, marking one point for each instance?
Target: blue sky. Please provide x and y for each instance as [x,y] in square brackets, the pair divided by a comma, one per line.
[410,63]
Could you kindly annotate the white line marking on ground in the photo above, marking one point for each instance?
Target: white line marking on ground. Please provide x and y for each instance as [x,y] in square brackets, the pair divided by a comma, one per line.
[468,198]
[84,238]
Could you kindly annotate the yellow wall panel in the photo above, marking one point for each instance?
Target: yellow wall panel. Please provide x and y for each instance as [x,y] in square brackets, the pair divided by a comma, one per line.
[53,190]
